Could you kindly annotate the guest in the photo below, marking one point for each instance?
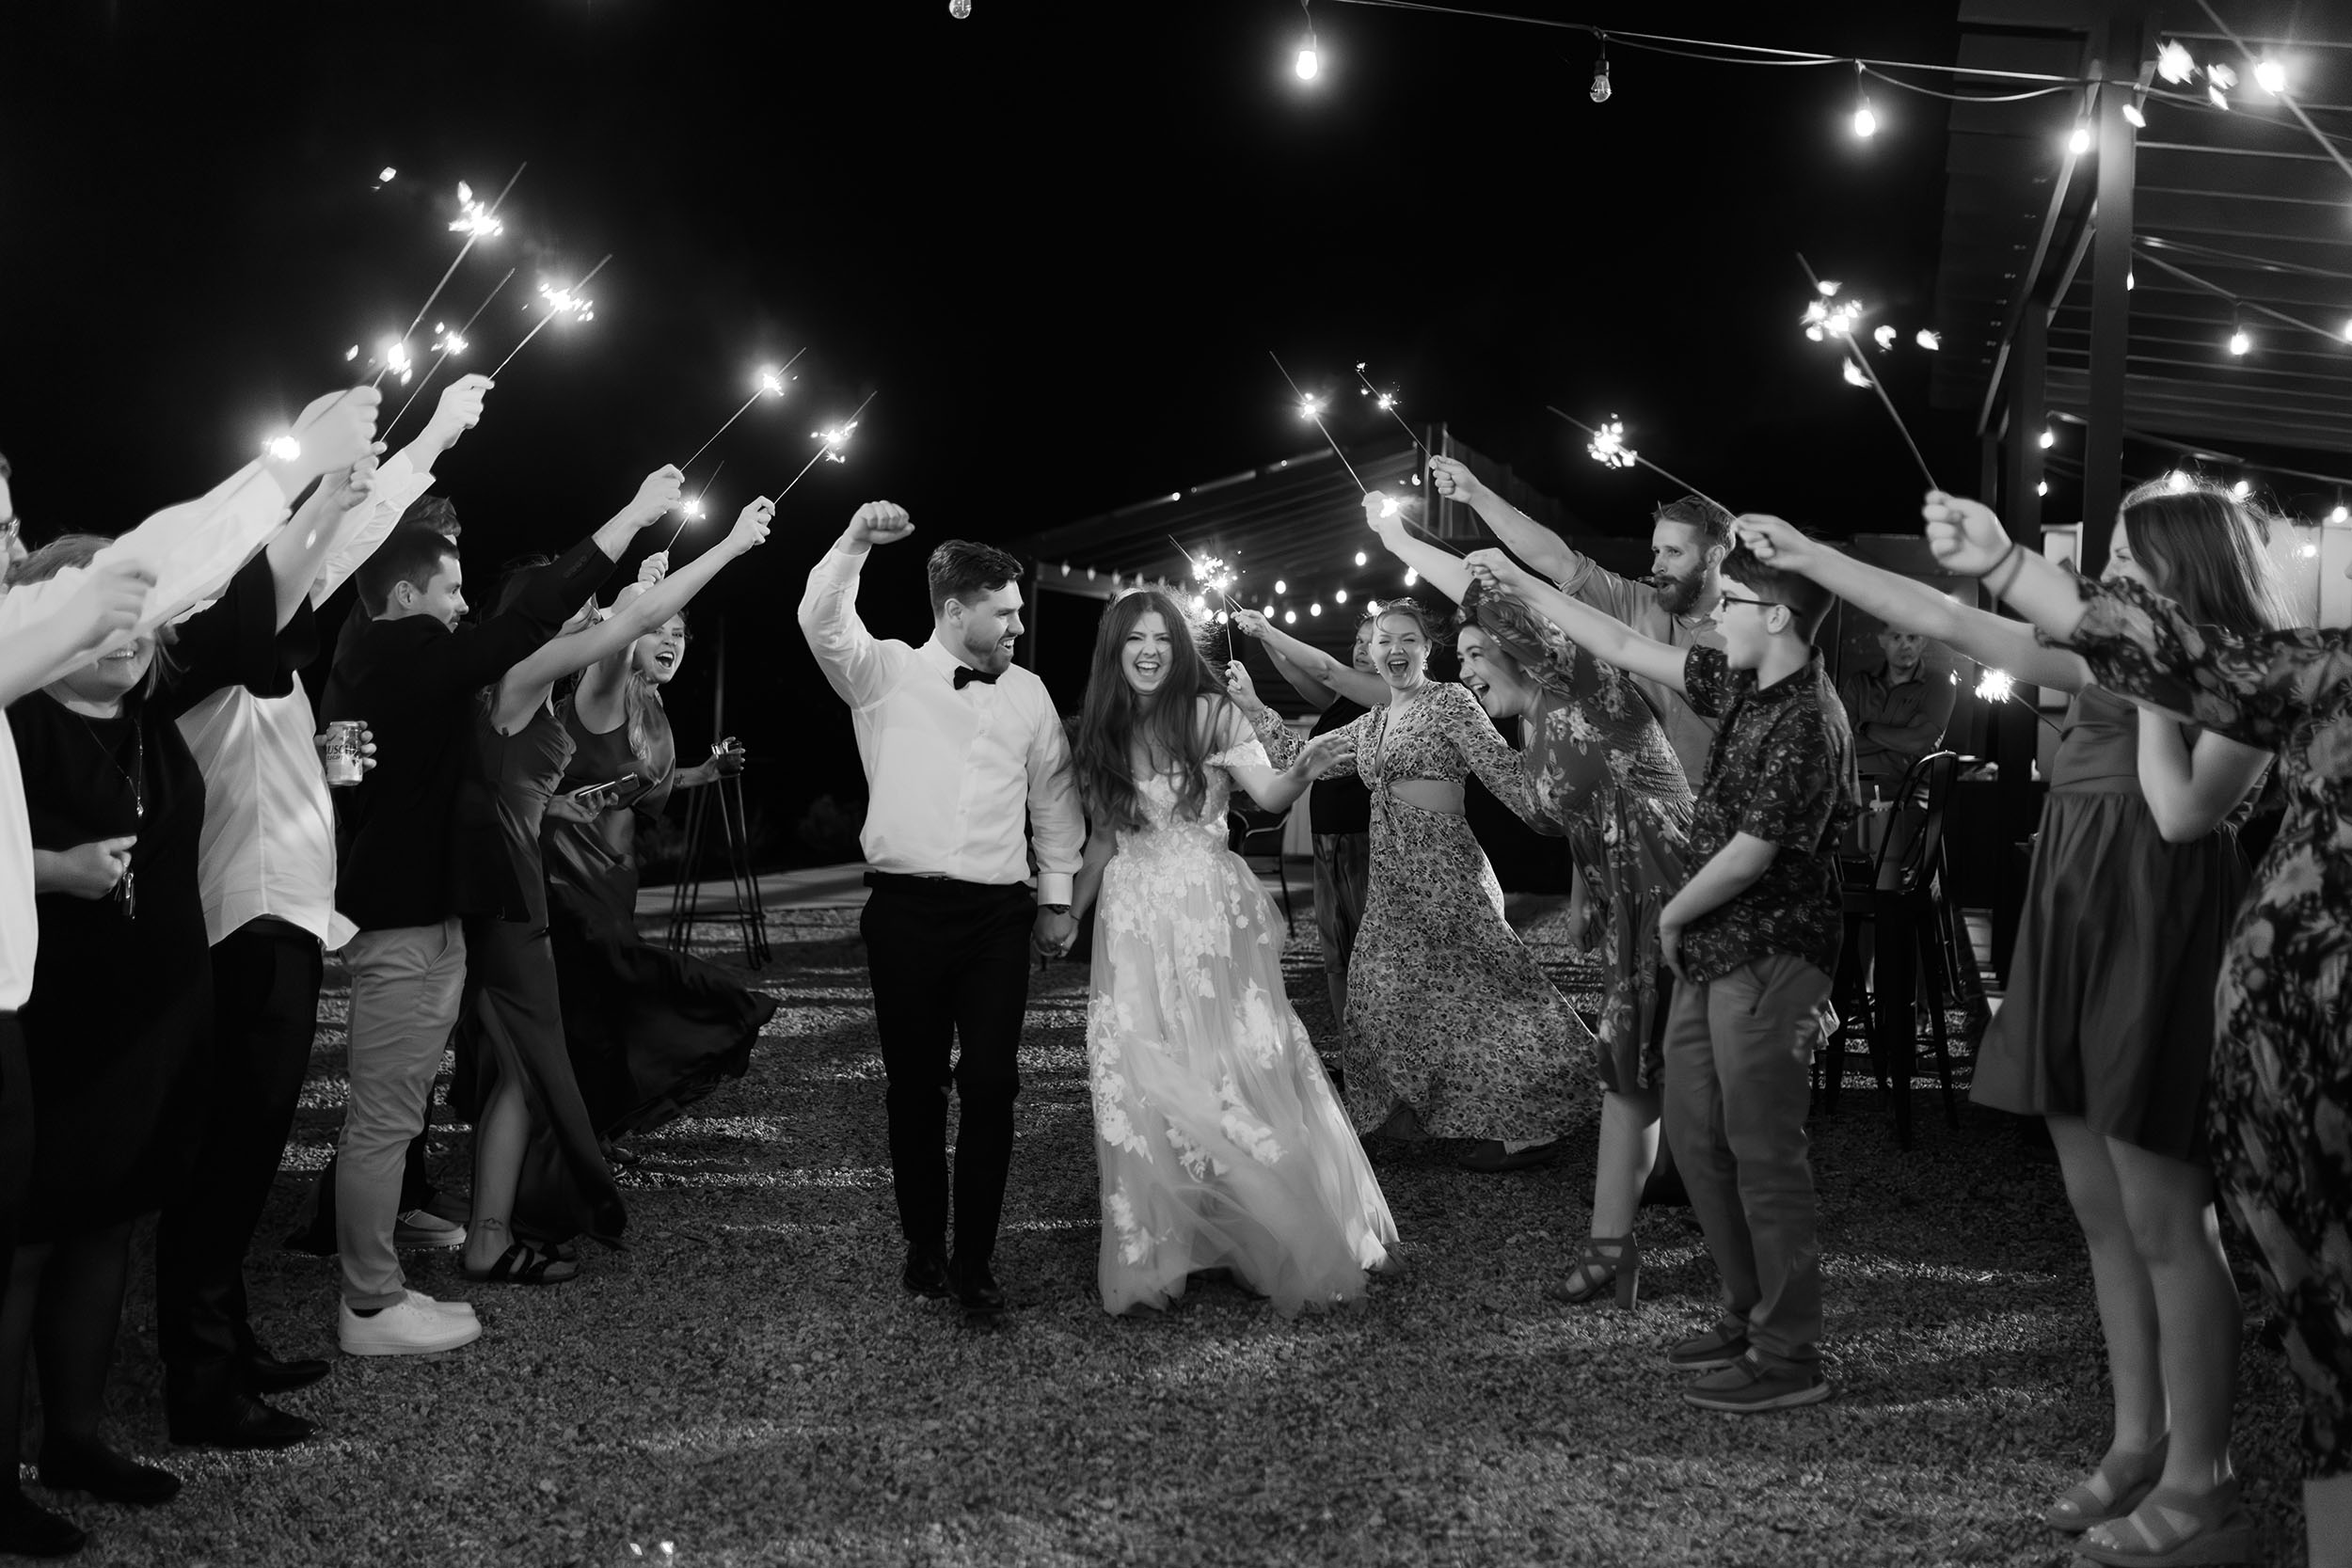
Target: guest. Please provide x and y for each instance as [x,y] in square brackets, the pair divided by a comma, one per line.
[1339,808]
[540,1176]
[1898,711]
[120,1075]
[2108,1028]
[2278,1070]
[1599,770]
[958,745]
[11,529]
[1674,605]
[1452,1030]
[1752,937]
[265,868]
[421,851]
[649,1031]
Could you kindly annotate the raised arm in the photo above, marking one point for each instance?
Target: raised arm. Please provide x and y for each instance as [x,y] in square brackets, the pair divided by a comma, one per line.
[1908,605]
[1344,679]
[41,639]
[1441,569]
[404,478]
[1244,759]
[1528,539]
[298,552]
[525,687]
[844,650]
[1604,637]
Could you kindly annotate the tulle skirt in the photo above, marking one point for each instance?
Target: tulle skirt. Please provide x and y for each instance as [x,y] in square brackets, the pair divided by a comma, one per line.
[1221,1142]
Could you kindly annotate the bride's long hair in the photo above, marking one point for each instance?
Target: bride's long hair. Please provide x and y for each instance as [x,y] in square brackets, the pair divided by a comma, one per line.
[1171,723]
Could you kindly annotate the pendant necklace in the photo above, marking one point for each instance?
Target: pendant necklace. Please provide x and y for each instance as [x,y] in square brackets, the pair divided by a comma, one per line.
[126,890]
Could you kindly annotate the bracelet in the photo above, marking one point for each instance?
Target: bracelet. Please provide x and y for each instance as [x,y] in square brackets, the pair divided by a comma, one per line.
[2013,547]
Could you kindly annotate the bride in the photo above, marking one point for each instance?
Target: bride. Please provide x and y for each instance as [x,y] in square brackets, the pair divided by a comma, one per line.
[1221,1142]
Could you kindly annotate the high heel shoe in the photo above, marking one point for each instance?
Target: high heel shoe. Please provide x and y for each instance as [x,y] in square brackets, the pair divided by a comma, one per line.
[1605,1260]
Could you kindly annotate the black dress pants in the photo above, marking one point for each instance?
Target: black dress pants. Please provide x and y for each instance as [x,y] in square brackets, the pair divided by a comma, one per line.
[950,966]
[16,1137]
[265,999]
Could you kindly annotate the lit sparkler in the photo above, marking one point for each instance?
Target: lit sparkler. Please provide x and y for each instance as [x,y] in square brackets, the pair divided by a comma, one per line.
[477,223]
[829,444]
[448,344]
[693,511]
[1605,444]
[1214,575]
[1387,404]
[1311,408]
[560,303]
[1839,322]
[767,383]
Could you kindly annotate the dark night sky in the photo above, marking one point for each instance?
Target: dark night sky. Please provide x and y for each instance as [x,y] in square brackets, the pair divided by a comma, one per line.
[1060,239]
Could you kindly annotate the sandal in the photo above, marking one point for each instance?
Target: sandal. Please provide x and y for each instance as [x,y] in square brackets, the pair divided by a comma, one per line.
[525,1264]
[2172,1527]
[2119,1485]
[1605,1260]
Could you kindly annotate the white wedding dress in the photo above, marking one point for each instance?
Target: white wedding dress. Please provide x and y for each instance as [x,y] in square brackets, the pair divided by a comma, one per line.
[1221,1141]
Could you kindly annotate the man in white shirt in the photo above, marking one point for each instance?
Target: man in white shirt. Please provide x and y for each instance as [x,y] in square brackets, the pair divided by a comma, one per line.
[959,746]
[266,869]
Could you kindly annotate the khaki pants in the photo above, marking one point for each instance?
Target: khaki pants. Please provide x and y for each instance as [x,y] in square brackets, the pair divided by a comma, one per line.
[406,982]
[1343,880]
[1738,1049]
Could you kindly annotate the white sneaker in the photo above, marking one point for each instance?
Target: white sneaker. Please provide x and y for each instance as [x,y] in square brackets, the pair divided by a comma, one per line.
[403,1328]
[421,1227]
[447,1308]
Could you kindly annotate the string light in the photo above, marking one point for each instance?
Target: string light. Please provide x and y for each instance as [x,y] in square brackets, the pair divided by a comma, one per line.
[2240,339]
[1601,88]
[2272,77]
[1309,64]
[2340,517]
[1290,617]
[2139,120]
[2240,490]
[1865,122]
[1280,587]
[2042,487]
[1315,608]
[2078,140]
[2049,438]
[385,175]
[1339,596]
[1360,558]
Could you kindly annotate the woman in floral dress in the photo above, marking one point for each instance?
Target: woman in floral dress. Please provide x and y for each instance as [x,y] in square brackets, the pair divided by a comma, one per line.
[1453,1029]
[2281,1087]
[1220,1143]
[1601,772]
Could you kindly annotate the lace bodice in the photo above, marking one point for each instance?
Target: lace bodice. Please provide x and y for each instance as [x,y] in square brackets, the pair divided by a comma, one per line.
[1166,830]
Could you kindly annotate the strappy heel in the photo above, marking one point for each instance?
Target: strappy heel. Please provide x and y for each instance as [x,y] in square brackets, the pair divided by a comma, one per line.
[1604,1261]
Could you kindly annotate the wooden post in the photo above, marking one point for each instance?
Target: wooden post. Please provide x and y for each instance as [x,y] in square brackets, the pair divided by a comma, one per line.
[2110,283]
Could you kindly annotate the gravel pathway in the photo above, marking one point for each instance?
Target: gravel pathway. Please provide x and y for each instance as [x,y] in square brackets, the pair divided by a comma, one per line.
[748,1382]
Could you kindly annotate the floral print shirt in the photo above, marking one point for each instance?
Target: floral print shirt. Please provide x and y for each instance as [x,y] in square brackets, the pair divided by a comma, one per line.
[1780,769]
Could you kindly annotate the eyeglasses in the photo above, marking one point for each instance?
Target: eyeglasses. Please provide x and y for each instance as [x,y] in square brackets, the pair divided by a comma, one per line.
[1760,603]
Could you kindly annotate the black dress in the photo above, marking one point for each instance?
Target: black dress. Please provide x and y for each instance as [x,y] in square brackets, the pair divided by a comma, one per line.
[118,1030]
[651,1031]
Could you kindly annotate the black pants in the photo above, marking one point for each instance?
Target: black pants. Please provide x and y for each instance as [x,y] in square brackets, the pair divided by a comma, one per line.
[265,1000]
[16,1138]
[950,963]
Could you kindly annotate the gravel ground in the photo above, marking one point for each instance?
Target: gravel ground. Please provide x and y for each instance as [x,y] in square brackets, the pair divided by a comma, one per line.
[748,1382]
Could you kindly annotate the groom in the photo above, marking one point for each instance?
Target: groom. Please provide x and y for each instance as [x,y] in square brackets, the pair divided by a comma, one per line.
[957,743]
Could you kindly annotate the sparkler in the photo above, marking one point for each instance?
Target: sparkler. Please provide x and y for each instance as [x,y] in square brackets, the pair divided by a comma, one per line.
[693,511]
[829,444]
[560,302]
[477,223]
[766,382]
[1212,573]
[1823,320]
[1311,408]
[1386,403]
[448,343]
[1605,444]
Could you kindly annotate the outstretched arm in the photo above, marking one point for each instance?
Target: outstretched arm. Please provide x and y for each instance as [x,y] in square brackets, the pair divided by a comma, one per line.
[1968,539]
[1441,569]
[320,527]
[1607,638]
[1908,605]
[1349,682]
[1527,538]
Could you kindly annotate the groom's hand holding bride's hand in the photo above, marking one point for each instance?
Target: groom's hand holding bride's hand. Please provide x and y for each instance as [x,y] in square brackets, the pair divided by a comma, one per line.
[876,523]
[1055,932]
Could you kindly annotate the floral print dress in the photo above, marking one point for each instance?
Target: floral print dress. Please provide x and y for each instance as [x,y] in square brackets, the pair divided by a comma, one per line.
[2281,1089]
[1219,1141]
[1453,1029]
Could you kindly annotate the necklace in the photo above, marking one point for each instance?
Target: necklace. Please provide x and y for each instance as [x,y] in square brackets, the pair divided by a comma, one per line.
[126,890]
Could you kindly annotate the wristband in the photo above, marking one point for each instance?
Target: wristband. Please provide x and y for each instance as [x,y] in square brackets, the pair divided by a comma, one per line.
[2007,555]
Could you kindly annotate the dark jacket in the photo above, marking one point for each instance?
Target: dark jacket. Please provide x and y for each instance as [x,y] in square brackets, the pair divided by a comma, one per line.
[419,840]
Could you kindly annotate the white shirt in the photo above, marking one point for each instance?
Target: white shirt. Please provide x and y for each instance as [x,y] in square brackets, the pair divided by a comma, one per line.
[950,773]
[194,549]
[268,843]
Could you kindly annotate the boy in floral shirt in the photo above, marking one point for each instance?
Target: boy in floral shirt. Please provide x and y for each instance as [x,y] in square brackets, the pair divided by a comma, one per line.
[1752,938]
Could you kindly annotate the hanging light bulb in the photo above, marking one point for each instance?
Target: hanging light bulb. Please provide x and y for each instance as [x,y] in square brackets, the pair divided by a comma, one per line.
[1865,122]
[2049,438]
[1310,62]
[2131,280]
[1600,74]
[2139,120]
[2271,78]
[1339,596]
[1290,617]
[1315,608]
[1412,576]
[2340,517]
[2078,140]
[1359,555]
[2241,340]
[1280,587]
[2042,489]
[1928,341]
[2240,490]
[959,8]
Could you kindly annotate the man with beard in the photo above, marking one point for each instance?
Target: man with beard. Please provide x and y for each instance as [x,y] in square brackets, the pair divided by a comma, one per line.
[1675,604]
[1899,712]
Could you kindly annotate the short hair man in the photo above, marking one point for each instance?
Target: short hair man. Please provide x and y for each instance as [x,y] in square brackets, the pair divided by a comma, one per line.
[1898,711]
[959,745]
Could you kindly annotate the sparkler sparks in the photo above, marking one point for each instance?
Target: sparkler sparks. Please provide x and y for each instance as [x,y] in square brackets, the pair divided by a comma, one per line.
[829,444]
[448,343]
[283,448]
[1387,405]
[564,303]
[1821,320]
[1311,408]
[693,511]
[766,383]
[477,223]
[1996,686]
[475,220]
[1605,444]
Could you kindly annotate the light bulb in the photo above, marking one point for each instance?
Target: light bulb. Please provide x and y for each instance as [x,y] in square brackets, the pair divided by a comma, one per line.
[2174,62]
[2241,490]
[1281,587]
[2139,121]
[2307,552]
[1290,617]
[1315,608]
[1310,64]
[2178,481]
[1360,558]
[1221,617]
[2042,489]
[1412,576]
[2348,331]
[959,8]
[2049,438]
[2340,517]
[1601,88]
[2078,142]
[2131,280]
[1339,596]
[2272,76]
[2240,340]
[1928,341]
[1866,124]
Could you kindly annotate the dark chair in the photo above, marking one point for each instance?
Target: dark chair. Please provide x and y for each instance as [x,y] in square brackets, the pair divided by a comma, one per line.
[1256,835]
[1896,894]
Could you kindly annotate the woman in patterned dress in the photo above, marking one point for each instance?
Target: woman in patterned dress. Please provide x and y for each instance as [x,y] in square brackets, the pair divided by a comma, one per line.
[1602,772]
[1452,1030]
[1220,1143]
[2282,1095]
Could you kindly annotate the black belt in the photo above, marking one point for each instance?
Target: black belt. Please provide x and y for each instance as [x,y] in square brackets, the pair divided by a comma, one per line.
[929,883]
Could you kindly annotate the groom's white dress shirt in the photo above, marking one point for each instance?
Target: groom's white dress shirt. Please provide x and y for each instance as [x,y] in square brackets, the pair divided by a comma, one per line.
[951,773]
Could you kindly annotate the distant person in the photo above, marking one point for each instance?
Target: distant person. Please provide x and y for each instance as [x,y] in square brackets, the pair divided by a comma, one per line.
[1674,605]
[959,745]
[1898,711]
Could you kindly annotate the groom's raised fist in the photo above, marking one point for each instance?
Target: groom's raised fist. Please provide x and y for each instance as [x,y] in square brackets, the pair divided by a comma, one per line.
[877,523]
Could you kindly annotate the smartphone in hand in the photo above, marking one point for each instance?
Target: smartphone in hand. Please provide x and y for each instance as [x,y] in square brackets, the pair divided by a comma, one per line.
[601,797]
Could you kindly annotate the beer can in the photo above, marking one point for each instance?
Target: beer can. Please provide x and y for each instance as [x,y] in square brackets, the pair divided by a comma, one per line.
[341,751]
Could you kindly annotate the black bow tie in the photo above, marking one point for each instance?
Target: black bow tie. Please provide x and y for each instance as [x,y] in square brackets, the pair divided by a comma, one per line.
[966,675]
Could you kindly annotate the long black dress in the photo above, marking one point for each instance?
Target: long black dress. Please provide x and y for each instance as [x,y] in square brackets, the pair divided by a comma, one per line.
[512,1022]
[118,1030]
[651,1031]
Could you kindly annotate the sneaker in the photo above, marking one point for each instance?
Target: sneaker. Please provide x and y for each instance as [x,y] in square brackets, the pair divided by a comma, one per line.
[421,1227]
[1749,1386]
[1716,1347]
[403,1329]
[447,1308]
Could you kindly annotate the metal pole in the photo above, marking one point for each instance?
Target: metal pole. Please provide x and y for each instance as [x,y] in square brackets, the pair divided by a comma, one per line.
[2110,298]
